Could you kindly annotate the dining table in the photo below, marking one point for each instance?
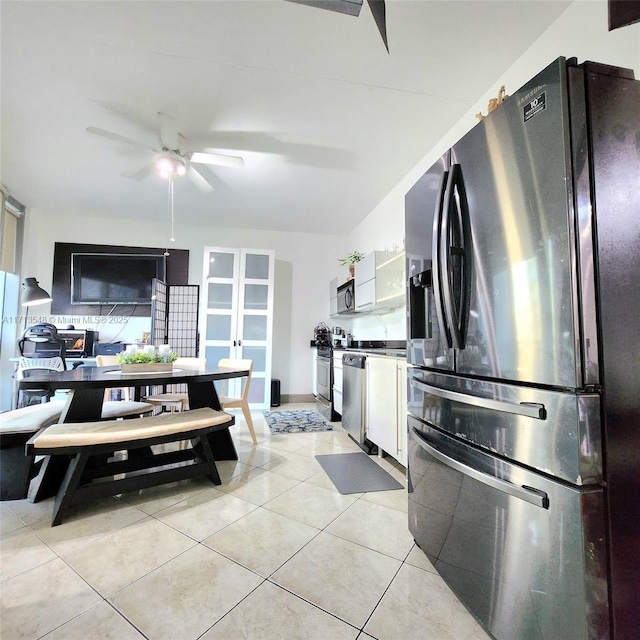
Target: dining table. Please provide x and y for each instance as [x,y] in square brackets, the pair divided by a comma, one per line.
[86,387]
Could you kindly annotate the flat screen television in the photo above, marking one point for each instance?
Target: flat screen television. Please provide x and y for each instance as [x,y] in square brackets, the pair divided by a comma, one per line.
[114,278]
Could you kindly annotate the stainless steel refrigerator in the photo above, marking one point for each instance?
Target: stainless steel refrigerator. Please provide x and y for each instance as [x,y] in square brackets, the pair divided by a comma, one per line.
[523,341]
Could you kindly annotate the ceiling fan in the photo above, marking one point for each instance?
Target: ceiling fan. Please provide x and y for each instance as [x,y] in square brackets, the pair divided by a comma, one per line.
[352,8]
[172,159]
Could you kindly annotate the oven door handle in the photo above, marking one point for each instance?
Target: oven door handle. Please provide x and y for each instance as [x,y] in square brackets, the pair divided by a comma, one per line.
[528,409]
[532,495]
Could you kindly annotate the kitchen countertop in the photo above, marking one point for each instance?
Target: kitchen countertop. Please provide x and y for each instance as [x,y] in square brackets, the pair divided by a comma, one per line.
[393,348]
[395,353]
[390,348]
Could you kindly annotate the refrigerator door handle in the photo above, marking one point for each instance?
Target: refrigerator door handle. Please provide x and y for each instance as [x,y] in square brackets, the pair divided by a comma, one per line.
[532,495]
[436,262]
[456,317]
[528,409]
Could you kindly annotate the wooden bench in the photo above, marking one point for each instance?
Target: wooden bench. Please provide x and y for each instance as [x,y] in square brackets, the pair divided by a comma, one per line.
[89,444]
[18,425]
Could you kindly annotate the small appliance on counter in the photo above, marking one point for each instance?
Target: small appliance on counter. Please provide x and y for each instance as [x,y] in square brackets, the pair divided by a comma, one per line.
[108,348]
[339,337]
[79,342]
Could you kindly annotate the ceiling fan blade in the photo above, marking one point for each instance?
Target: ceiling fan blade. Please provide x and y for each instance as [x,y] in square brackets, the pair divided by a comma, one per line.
[380,16]
[168,132]
[199,180]
[140,172]
[119,138]
[350,7]
[216,159]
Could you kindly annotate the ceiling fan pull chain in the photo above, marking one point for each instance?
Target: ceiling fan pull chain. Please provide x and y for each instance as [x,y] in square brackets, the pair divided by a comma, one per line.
[173,239]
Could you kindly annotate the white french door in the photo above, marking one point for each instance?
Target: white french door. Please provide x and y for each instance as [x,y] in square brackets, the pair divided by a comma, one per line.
[238,314]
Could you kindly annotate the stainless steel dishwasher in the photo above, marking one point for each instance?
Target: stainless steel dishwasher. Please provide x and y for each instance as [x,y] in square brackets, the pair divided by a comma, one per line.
[353,380]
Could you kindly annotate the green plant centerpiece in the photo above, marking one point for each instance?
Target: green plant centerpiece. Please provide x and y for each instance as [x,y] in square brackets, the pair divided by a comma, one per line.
[351,260]
[142,361]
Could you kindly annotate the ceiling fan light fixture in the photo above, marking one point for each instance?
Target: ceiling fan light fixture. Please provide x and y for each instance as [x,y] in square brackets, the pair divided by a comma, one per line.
[164,167]
[167,167]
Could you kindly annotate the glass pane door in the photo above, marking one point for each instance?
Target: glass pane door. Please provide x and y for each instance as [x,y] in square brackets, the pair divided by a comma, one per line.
[219,334]
[255,319]
[238,314]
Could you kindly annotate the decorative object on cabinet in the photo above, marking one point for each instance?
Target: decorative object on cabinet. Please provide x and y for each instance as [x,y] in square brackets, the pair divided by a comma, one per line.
[351,260]
[494,103]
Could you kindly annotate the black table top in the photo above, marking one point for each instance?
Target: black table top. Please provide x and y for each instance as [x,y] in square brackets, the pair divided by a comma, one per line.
[111,376]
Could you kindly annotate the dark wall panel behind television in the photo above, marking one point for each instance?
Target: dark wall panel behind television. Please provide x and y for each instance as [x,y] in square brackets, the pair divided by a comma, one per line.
[177,273]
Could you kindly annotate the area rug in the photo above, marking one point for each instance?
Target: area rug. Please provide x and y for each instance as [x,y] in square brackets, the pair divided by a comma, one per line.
[297,421]
[356,473]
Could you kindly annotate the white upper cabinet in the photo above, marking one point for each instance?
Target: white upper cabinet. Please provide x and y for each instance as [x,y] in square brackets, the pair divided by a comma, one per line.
[333,297]
[380,281]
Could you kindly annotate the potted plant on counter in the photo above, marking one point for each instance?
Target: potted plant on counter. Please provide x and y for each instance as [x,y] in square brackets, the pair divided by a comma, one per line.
[350,261]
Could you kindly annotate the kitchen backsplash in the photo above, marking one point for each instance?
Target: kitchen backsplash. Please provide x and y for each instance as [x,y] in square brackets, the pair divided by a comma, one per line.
[388,326]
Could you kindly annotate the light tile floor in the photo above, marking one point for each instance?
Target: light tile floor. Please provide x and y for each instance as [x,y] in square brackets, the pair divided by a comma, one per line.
[274,553]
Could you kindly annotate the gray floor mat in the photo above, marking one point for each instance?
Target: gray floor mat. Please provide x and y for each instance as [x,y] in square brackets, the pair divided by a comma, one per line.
[356,473]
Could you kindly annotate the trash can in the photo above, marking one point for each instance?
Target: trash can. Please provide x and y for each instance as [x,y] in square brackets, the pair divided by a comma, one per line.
[275,392]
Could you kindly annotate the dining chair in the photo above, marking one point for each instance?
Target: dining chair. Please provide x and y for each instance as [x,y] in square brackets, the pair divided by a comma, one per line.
[117,408]
[230,402]
[174,399]
[28,366]
[125,392]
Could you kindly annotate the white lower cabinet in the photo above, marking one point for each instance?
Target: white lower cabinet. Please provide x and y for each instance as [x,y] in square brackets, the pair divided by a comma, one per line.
[386,405]
[314,371]
[402,412]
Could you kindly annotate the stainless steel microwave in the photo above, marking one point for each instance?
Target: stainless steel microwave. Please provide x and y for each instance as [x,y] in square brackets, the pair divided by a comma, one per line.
[347,297]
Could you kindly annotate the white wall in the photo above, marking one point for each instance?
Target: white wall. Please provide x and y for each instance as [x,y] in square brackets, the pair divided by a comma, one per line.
[581,31]
[301,291]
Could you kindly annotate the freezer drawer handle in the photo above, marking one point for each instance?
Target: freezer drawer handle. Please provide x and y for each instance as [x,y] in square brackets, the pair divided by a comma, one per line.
[528,409]
[532,495]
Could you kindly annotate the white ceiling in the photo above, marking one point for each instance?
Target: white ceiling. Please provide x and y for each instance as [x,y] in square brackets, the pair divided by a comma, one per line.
[327,121]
